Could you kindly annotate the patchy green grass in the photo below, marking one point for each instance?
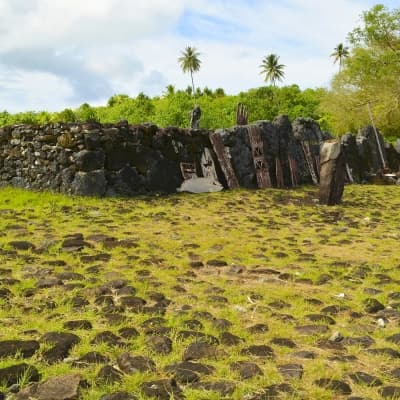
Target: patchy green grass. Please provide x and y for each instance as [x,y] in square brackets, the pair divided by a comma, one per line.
[286,258]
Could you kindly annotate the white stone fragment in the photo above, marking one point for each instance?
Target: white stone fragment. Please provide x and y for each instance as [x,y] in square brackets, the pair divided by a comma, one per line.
[200,185]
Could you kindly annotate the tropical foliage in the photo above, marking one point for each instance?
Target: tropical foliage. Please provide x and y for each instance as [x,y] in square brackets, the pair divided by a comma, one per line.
[190,62]
[369,79]
[340,53]
[272,70]
[174,106]
[367,85]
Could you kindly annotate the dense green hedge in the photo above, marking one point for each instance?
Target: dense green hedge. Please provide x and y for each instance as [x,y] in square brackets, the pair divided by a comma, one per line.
[173,108]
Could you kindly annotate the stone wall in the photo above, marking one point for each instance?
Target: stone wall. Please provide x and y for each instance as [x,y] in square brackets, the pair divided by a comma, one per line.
[121,159]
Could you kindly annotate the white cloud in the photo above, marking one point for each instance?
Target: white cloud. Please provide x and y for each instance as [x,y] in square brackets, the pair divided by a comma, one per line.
[76,51]
[23,91]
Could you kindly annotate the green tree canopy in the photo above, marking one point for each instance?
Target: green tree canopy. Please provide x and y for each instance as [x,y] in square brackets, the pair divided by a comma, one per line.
[370,76]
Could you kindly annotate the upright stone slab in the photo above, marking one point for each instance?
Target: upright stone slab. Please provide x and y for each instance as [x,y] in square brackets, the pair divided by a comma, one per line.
[195,116]
[333,170]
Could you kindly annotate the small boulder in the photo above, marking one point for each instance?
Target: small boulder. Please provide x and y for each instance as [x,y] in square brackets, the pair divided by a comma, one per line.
[14,373]
[64,387]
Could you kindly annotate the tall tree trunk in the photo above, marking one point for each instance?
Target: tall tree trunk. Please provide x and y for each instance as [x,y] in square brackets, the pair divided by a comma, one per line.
[191,76]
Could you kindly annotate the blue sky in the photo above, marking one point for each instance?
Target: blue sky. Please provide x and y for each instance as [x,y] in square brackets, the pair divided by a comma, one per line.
[61,53]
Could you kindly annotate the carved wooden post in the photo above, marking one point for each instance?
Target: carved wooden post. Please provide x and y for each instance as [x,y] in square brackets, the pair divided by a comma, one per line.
[242,115]
[260,164]
[224,160]
[293,171]
[279,174]
[309,161]
[333,170]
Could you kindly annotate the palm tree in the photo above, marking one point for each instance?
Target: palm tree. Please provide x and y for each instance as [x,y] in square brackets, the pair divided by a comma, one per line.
[190,62]
[272,69]
[340,53]
[170,90]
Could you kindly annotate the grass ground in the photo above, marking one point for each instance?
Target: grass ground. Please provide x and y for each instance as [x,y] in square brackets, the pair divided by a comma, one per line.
[272,257]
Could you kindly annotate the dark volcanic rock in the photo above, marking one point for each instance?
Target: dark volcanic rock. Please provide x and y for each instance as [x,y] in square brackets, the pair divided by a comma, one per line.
[352,157]
[321,318]
[395,373]
[21,245]
[228,339]
[160,344]
[131,364]
[87,161]
[56,353]
[119,396]
[128,181]
[93,357]
[193,324]
[308,355]
[272,392]
[162,389]
[60,338]
[217,263]
[246,369]
[91,183]
[164,176]
[198,350]
[284,342]
[365,379]
[221,324]
[259,351]
[258,328]
[386,352]
[363,341]
[336,386]
[15,373]
[63,343]
[187,372]
[291,371]
[107,337]
[312,329]
[394,339]
[13,347]
[390,392]
[48,283]
[5,293]
[133,303]
[372,306]
[224,388]
[109,375]
[368,149]
[78,324]
[200,336]
[128,332]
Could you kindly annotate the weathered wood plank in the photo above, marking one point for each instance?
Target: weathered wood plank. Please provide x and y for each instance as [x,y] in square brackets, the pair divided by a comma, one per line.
[293,171]
[224,160]
[280,183]
[208,166]
[260,164]
[188,170]
[309,160]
